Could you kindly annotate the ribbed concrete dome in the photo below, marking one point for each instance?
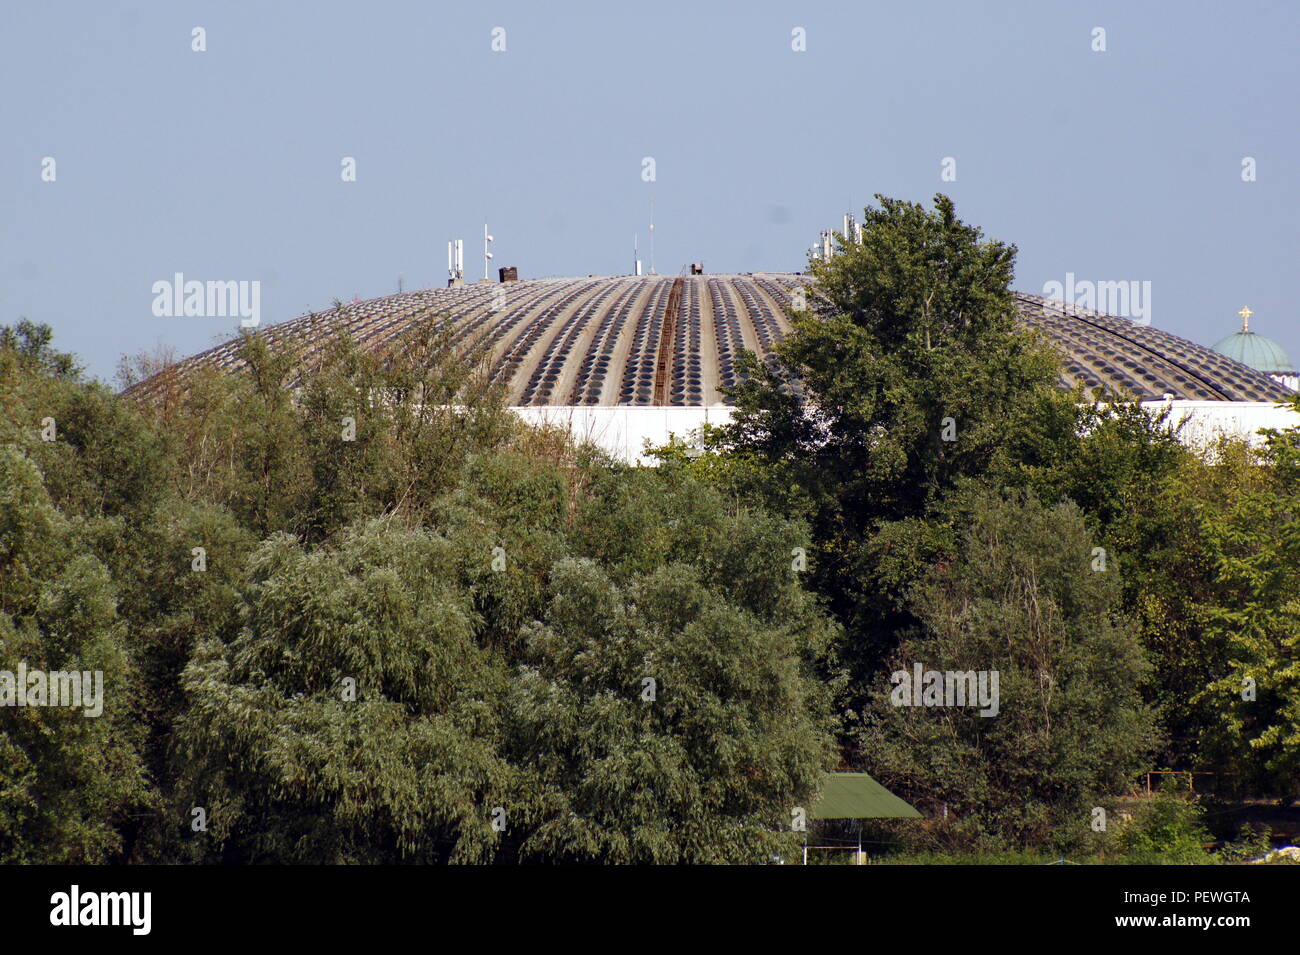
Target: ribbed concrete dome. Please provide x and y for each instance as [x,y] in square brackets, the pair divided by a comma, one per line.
[656,340]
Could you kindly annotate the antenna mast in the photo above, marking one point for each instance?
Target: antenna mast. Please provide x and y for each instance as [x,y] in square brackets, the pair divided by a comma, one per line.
[455,262]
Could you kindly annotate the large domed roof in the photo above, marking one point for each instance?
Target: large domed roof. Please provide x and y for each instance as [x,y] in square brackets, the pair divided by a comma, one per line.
[658,340]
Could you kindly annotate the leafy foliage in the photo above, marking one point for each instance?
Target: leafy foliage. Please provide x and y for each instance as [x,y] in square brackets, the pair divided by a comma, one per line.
[395,632]
[1021,599]
[68,782]
[1167,830]
[346,604]
[912,340]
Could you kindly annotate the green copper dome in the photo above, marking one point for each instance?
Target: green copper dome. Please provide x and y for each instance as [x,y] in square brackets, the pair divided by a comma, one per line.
[1262,354]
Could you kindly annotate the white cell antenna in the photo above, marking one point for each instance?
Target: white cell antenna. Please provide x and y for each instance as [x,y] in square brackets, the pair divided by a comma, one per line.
[652,238]
[486,254]
[455,260]
[852,231]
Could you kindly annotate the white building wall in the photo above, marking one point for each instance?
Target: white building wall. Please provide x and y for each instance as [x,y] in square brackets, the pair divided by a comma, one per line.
[1206,421]
[625,431]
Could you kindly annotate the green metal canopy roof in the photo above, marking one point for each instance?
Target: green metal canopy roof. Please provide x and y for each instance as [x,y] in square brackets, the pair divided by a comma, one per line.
[858,796]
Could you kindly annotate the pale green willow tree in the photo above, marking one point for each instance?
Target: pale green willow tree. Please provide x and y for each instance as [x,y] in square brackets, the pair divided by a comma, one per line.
[499,659]
[68,781]
[353,717]
[662,724]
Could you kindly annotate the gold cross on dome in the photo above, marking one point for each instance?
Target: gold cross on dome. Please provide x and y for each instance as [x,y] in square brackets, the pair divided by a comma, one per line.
[1245,314]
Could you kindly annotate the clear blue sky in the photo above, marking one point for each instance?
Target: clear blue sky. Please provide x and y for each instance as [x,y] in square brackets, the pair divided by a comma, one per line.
[226,164]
